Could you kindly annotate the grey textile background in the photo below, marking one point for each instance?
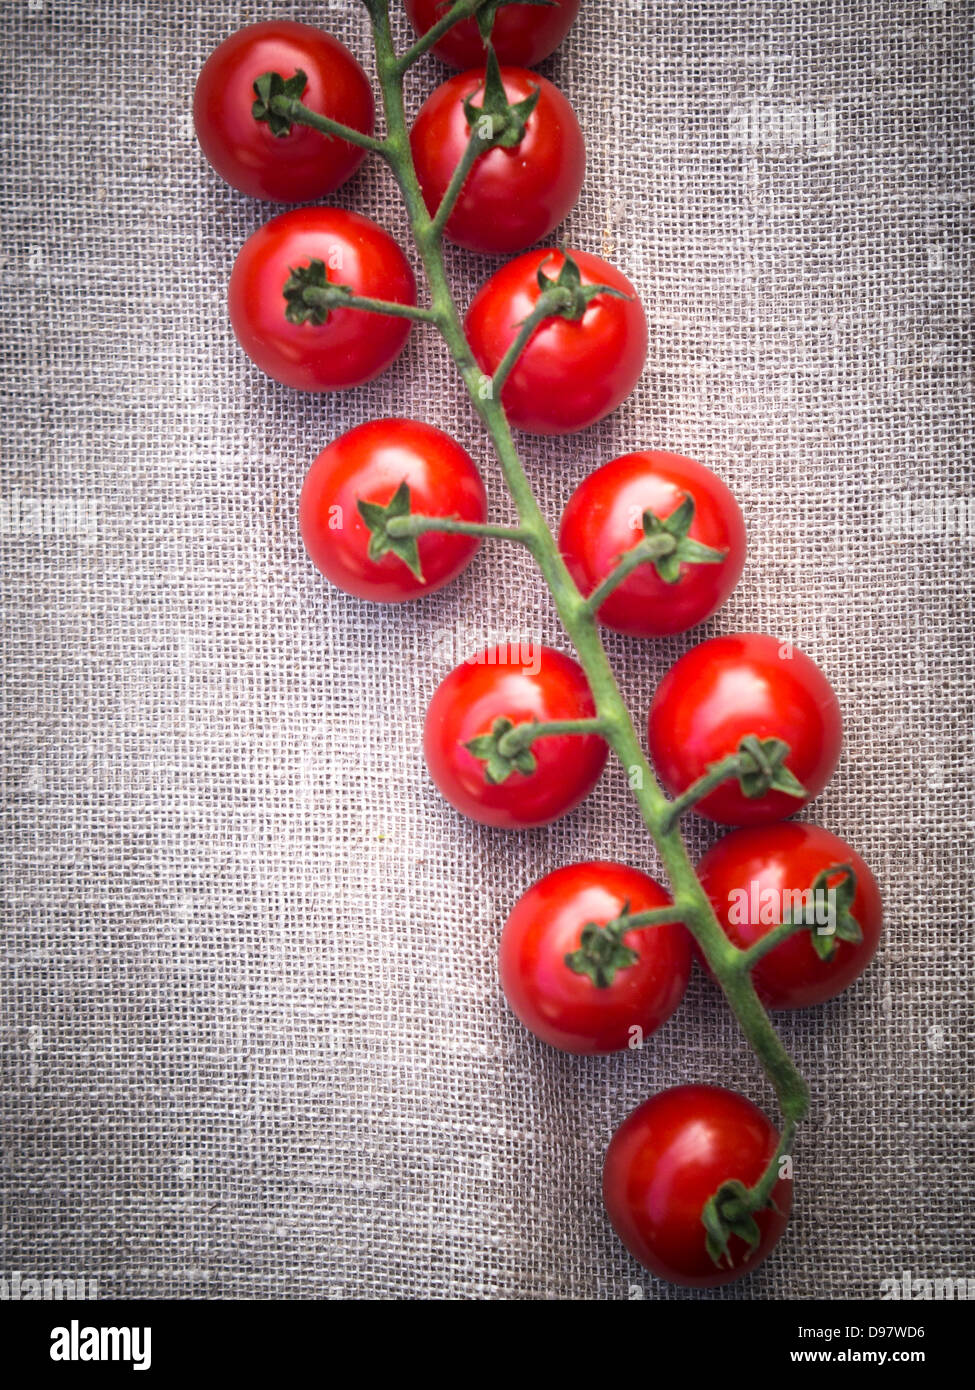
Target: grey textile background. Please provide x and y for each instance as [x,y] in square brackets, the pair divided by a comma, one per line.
[253,1043]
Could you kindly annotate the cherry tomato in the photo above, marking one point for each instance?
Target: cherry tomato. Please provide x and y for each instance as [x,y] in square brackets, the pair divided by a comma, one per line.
[511,197]
[752,876]
[727,688]
[573,371]
[523,34]
[604,519]
[370,463]
[566,1008]
[351,346]
[518,683]
[665,1162]
[295,167]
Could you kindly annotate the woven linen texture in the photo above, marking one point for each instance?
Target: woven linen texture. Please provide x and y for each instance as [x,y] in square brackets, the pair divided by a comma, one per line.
[253,1042]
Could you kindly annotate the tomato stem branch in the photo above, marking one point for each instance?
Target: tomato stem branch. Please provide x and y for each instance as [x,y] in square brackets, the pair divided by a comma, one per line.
[716,774]
[295,111]
[758,764]
[473,151]
[651,917]
[643,553]
[758,1196]
[418,525]
[461,9]
[768,942]
[548,305]
[522,736]
[340,297]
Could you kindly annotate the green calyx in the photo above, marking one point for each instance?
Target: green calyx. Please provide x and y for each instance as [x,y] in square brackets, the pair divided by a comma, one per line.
[310,295]
[502,758]
[840,924]
[602,951]
[761,768]
[498,122]
[566,296]
[376,516]
[730,1213]
[272,85]
[668,558]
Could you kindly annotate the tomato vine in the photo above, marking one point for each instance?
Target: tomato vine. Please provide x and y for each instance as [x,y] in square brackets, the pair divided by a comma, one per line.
[563,286]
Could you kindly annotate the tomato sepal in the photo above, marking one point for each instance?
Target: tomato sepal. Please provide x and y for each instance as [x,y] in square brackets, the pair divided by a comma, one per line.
[602,951]
[270,86]
[309,308]
[685,551]
[500,764]
[566,297]
[729,1213]
[845,926]
[762,768]
[507,120]
[376,515]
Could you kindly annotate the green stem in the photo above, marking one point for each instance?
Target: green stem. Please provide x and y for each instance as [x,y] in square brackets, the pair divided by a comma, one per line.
[549,304]
[462,9]
[417,525]
[299,114]
[645,552]
[769,941]
[522,736]
[475,148]
[338,297]
[759,1195]
[716,774]
[689,898]
[651,917]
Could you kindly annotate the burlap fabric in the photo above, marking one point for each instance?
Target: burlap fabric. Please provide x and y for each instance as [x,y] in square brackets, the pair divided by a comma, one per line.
[253,1040]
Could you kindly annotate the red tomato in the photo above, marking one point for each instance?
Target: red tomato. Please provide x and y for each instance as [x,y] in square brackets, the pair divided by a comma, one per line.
[520,684]
[350,347]
[523,34]
[667,1159]
[603,520]
[369,464]
[511,197]
[727,688]
[302,165]
[751,876]
[572,372]
[568,1009]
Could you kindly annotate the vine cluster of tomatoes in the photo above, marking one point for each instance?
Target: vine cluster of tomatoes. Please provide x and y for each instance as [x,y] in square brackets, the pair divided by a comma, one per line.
[744,729]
